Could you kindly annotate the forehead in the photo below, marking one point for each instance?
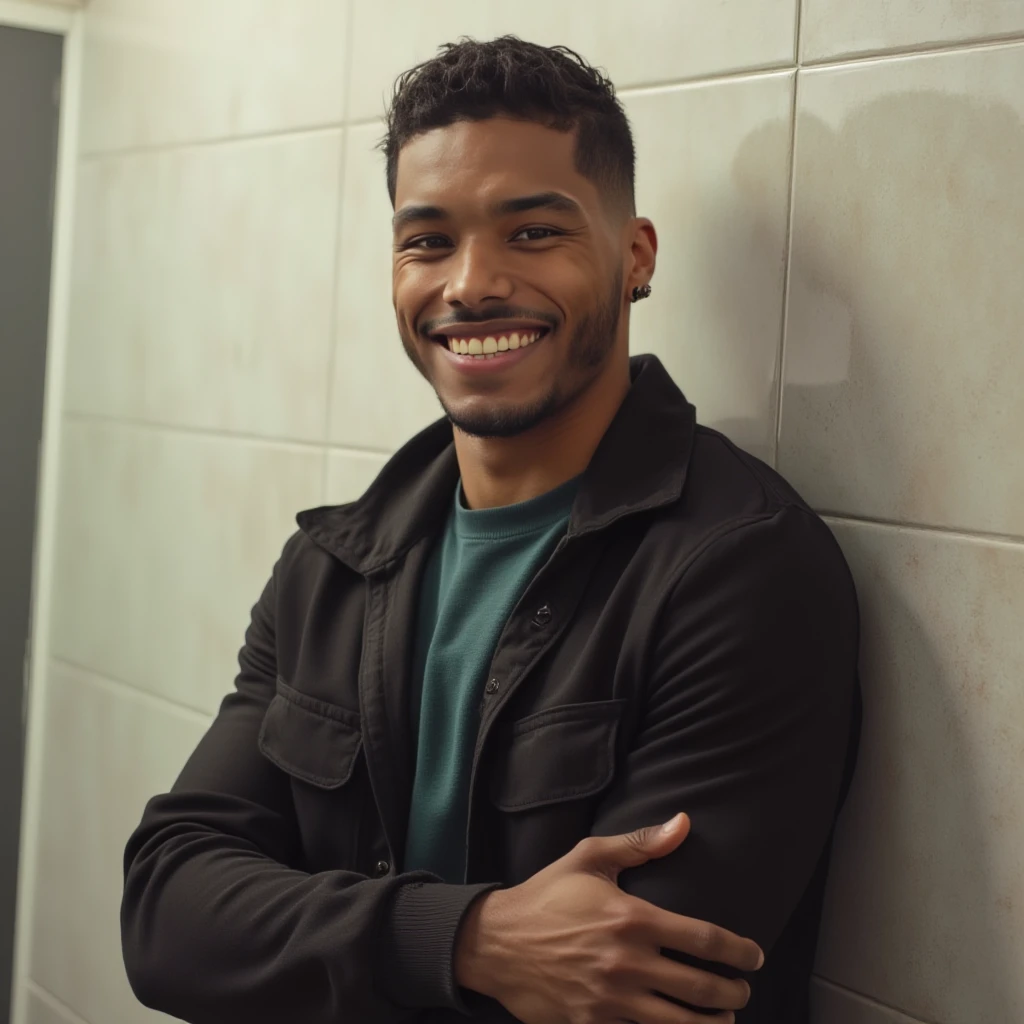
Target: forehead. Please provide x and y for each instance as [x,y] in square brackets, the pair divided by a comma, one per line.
[481,160]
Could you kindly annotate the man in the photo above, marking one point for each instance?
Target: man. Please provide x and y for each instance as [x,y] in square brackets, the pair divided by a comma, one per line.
[560,616]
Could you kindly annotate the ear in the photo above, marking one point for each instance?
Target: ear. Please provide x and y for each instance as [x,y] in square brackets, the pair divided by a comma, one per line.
[643,242]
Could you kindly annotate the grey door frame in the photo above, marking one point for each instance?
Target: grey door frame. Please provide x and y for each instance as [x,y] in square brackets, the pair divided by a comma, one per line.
[65,21]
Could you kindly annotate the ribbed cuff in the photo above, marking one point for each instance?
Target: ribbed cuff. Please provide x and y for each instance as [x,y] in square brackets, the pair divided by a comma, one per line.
[425,919]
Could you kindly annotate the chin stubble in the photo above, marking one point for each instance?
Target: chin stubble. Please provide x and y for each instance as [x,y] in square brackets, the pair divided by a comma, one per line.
[589,348]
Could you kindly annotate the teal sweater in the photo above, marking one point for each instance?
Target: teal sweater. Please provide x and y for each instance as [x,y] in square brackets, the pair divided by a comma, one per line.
[476,574]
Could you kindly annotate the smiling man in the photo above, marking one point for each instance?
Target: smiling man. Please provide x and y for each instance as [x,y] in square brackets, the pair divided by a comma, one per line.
[563,616]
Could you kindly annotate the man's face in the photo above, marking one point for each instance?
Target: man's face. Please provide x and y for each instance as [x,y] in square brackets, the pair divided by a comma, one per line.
[507,272]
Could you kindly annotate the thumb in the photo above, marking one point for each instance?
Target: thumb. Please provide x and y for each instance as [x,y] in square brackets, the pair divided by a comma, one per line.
[611,854]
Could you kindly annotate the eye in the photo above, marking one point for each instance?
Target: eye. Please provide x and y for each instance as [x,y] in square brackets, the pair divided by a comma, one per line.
[424,242]
[535,234]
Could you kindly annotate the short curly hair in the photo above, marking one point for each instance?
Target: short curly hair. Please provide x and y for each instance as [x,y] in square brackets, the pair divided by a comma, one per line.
[509,77]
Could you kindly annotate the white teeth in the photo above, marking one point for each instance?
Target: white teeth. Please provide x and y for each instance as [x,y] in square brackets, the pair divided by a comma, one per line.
[488,347]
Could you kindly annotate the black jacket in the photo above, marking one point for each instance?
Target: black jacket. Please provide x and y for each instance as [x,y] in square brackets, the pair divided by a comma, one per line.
[691,645]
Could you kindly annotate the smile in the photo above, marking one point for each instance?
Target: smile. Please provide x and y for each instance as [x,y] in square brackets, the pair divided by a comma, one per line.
[488,347]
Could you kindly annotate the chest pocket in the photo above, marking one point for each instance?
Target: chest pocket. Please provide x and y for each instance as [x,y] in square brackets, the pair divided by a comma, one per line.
[310,739]
[562,753]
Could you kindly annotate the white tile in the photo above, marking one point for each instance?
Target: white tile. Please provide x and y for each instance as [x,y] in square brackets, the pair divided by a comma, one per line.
[713,175]
[165,542]
[903,356]
[925,908]
[836,28]
[379,400]
[203,285]
[168,71]
[106,752]
[42,1009]
[634,45]
[833,1005]
[350,473]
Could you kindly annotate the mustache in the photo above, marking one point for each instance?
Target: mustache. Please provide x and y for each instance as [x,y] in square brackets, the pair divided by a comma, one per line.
[480,316]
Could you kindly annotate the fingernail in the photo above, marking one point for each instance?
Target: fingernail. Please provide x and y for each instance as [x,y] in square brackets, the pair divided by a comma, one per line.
[760,961]
[670,826]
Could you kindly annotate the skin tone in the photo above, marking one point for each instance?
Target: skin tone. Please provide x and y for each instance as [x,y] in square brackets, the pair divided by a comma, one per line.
[496,232]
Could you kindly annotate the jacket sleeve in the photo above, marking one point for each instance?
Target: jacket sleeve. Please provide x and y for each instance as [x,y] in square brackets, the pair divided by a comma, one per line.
[751,701]
[220,924]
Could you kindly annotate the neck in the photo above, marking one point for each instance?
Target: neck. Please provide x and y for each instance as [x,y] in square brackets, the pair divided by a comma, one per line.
[499,471]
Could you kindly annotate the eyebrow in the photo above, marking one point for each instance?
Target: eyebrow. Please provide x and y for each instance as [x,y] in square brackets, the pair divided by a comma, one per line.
[539,201]
[520,204]
[408,214]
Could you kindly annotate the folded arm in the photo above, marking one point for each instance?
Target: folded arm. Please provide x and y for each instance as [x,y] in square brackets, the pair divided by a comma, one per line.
[221,923]
[747,725]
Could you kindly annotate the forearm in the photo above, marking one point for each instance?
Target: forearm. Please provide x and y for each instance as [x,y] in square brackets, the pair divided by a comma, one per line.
[216,932]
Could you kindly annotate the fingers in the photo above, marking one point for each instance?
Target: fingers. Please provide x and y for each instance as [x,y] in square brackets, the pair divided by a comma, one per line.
[650,1009]
[705,941]
[611,854]
[697,987]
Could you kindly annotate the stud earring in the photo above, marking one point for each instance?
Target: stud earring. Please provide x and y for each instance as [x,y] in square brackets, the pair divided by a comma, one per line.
[641,292]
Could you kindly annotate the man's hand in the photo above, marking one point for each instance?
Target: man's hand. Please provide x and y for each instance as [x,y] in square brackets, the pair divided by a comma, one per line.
[567,946]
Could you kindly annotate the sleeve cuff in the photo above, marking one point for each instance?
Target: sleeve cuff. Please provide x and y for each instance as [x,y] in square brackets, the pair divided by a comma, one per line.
[425,919]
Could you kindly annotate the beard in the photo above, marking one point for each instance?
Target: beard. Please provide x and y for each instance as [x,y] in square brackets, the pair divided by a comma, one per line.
[588,349]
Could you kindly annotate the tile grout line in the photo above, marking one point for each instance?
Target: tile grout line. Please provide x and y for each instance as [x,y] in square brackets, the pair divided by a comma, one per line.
[1013,540]
[798,30]
[153,149]
[871,1001]
[108,682]
[985,43]
[363,122]
[189,430]
[787,275]
[339,222]
[45,995]
[739,74]
[342,449]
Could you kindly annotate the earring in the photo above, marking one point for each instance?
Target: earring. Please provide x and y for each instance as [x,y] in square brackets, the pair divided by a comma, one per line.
[641,293]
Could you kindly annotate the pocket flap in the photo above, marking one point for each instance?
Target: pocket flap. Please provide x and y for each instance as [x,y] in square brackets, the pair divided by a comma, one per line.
[309,738]
[563,753]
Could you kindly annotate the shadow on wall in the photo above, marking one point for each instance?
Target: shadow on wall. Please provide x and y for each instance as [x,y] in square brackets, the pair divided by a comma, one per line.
[913,915]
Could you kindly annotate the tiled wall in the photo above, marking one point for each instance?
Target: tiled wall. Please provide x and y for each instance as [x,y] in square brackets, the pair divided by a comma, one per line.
[839,192]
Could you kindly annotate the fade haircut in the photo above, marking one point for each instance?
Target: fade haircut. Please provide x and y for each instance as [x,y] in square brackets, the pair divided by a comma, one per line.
[509,77]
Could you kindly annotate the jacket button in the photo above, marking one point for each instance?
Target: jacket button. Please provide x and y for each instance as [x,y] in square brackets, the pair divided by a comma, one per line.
[492,686]
[381,868]
[543,616]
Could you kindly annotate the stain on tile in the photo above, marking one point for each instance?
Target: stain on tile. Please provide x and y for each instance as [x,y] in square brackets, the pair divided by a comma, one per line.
[904,347]
[715,317]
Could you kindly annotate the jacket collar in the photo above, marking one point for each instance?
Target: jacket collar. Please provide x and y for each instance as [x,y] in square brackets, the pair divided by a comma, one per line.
[640,464]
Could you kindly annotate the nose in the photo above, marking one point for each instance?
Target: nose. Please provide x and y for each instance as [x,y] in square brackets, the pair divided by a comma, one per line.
[476,276]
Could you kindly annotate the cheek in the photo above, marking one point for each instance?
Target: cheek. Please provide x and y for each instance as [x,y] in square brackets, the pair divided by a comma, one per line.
[412,288]
[404,298]
[569,279]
